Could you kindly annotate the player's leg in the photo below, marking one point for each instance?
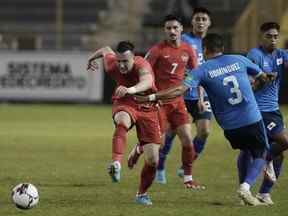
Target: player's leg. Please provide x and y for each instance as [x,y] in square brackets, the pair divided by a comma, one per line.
[257,145]
[122,122]
[280,139]
[163,152]
[151,156]
[149,135]
[277,133]
[188,155]
[267,184]
[202,122]
[243,161]
[252,141]
[203,130]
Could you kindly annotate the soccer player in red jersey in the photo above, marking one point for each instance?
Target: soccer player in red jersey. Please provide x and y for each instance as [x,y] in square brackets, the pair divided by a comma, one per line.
[169,59]
[133,75]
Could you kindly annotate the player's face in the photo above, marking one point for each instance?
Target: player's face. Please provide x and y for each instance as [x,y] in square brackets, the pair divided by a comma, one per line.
[270,39]
[173,30]
[200,22]
[125,61]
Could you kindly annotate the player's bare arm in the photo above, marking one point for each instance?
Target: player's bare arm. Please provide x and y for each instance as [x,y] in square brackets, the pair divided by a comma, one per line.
[98,54]
[263,79]
[164,94]
[144,84]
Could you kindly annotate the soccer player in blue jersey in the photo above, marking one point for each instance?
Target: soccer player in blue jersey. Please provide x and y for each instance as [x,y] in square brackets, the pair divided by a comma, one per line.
[225,79]
[275,61]
[200,22]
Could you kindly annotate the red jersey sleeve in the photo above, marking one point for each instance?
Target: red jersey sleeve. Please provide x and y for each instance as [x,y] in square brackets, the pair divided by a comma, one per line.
[192,63]
[110,62]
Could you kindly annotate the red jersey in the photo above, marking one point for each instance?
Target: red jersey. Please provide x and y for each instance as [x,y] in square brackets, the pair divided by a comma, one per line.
[132,77]
[169,63]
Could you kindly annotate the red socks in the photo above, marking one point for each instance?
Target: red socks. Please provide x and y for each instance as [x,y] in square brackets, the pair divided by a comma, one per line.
[188,156]
[147,177]
[119,142]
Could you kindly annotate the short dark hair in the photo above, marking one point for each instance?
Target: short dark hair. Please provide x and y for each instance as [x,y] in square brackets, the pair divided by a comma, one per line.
[201,10]
[171,17]
[213,42]
[269,25]
[123,46]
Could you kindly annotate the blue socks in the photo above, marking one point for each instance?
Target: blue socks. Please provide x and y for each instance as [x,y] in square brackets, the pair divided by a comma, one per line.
[254,169]
[164,151]
[266,184]
[243,161]
[198,144]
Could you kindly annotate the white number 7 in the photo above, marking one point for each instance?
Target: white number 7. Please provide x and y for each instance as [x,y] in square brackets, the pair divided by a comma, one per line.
[174,65]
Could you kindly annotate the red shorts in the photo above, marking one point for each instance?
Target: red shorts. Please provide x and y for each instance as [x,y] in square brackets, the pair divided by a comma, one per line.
[145,118]
[173,113]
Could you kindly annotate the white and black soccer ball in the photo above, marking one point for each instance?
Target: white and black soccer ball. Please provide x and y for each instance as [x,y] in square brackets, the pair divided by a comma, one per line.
[25,196]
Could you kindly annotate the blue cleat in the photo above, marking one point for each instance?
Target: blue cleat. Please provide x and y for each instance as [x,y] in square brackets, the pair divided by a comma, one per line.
[114,170]
[143,199]
[180,172]
[160,177]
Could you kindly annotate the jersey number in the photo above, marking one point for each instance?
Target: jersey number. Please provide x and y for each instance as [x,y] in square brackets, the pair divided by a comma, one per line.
[237,95]
[174,66]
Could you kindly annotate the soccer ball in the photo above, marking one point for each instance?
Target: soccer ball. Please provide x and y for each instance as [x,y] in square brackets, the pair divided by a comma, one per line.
[25,196]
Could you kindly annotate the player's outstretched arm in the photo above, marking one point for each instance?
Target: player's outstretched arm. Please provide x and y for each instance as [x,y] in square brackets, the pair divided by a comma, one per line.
[164,94]
[145,82]
[262,79]
[98,54]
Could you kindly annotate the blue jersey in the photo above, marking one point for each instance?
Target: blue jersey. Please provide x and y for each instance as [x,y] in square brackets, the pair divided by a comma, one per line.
[196,43]
[225,79]
[267,97]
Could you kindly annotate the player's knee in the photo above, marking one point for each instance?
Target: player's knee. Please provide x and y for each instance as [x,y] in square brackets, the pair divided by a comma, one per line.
[203,133]
[152,161]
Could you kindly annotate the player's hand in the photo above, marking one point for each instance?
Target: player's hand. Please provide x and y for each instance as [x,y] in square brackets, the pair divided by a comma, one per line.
[92,65]
[140,98]
[121,91]
[271,76]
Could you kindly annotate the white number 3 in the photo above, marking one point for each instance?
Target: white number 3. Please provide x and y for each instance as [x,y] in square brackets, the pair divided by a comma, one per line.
[237,95]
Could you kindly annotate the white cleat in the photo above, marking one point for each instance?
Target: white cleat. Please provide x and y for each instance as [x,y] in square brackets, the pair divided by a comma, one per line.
[248,198]
[269,172]
[265,198]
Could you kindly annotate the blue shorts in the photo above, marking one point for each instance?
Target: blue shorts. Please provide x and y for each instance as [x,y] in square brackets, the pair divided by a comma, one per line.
[273,122]
[192,108]
[251,137]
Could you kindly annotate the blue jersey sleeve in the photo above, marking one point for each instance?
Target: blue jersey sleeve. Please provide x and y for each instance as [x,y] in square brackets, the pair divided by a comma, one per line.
[252,68]
[193,78]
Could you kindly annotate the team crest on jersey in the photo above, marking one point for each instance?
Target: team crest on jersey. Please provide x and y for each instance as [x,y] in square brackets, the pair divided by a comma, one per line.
[185,57]
[265,64]
[279,61]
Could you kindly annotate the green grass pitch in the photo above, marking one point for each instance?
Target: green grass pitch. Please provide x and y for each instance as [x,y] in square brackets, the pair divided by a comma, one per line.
[64,151]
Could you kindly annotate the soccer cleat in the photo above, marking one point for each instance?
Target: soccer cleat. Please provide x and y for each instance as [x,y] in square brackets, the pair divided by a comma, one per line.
[269,172]
[248,198]
[160,177]
[134,155]
[180,172]
[114,170]
[194,185]
[143,199]
[265,198]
